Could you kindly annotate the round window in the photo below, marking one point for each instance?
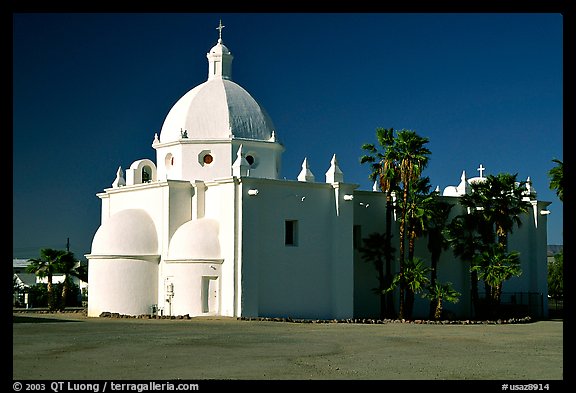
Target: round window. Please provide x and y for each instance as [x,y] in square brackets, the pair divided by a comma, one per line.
[208,159]
[250,159]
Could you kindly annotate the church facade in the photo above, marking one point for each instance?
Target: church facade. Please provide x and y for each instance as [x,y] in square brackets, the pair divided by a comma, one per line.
[211,229]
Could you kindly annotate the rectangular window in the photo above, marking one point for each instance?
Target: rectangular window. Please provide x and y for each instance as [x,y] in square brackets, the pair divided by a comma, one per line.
[291,233]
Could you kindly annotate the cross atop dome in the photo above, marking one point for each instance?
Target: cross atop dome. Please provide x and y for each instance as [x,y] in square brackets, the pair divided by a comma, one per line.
[481,169]
[219,58]
[219,28]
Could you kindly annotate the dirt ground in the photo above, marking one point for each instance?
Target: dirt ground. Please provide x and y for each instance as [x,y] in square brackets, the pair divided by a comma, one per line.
[69,346]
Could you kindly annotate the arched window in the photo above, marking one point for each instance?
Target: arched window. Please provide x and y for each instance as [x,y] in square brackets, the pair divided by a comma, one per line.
[146,174]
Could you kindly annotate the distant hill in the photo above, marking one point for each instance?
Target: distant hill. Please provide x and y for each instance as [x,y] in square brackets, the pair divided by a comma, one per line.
[554,249]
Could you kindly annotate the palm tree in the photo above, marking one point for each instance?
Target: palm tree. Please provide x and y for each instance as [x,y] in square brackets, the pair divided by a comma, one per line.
[411,156]
[438,293]
[415,277]
[494,266]
[426,214]
[556,175]
[384,171]
[46,266]
[494,208]
[437,221]
[70,267]
[463,236]
[417,211]
[498,201]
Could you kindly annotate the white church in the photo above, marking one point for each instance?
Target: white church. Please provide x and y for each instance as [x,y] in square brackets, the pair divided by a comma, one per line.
[210,228]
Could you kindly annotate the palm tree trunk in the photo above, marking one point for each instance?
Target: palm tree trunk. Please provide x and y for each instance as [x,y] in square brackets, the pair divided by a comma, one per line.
[411,243]
[51,297]
[402,281]
[65,291]
[401,273]
[438,309]
[388,297]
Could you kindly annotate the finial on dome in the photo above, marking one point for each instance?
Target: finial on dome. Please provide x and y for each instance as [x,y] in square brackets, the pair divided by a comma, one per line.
[219,28]
[219,59]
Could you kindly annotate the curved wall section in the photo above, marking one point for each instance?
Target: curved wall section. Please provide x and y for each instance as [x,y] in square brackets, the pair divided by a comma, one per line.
[122,285]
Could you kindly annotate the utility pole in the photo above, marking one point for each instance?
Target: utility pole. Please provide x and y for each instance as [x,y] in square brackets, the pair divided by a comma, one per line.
[68,244]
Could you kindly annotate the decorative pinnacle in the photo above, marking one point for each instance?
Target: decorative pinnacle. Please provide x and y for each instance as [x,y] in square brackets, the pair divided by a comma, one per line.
[219,28]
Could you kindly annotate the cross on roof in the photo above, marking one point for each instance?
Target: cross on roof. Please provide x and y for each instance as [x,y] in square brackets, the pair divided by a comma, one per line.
[219,28]
[481,169]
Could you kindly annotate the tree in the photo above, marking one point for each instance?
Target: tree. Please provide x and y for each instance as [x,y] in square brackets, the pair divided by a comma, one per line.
[417,212]
[465,241]
[45,267]
[385,173]
[556,277]
[437,221]
[438,293]
[411,158]
[556,175]
[494,266]
[70,267]
[415,277]
[426,214]
[498,203]
[494,207]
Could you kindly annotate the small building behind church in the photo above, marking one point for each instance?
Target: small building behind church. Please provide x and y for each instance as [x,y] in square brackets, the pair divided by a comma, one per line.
[210,228]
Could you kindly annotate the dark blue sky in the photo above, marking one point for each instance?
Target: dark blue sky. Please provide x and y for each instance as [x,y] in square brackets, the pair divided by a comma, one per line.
[90,90]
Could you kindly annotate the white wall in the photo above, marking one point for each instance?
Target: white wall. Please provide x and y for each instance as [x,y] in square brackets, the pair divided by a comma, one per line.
[121,285]
[313,279]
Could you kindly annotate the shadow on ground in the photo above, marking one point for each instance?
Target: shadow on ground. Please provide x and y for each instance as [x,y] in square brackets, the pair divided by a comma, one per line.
[27,319]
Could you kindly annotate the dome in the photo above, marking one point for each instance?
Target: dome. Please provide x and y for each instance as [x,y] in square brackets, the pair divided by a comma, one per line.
[128,232]
[219,49]
[195,239]
[478,179]
[217,109]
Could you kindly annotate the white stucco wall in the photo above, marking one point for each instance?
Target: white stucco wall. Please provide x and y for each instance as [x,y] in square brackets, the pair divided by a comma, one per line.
[121,285]
[312,279]
[183,160]
[221,205]
[187,278]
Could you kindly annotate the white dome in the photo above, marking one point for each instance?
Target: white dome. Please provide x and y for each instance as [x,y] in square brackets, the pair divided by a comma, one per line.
[128,232]
[195,239]
[473,180]
[219,49]
[217,109]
